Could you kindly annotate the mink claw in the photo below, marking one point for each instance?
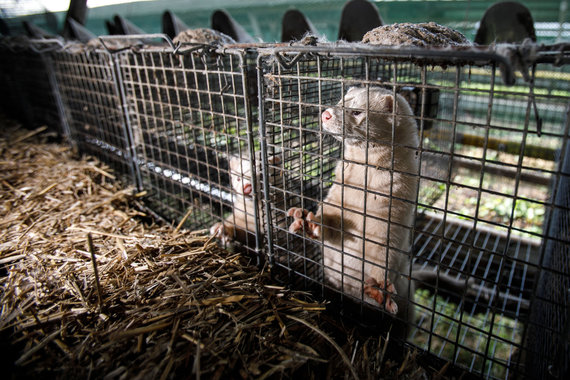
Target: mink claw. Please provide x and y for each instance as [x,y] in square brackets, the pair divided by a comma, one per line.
[216,230]
[222,232]
[376,290]
[304,222]
[313,228]
[296,226]
[297,213]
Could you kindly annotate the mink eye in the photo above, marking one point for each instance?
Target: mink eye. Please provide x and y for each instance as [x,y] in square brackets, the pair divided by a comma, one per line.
[238,179]
[356,113]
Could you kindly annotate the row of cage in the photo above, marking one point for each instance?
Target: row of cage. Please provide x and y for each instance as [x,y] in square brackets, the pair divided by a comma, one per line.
[241,141]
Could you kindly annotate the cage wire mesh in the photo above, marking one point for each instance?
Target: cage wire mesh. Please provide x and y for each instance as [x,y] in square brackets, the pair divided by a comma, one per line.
[489,154]
[489,242]
[90,92]
[30,91]
[194,139]
[546,347]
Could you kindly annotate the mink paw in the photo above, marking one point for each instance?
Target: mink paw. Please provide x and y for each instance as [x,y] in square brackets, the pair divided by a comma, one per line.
[304,221]
[223,232]
[376,290]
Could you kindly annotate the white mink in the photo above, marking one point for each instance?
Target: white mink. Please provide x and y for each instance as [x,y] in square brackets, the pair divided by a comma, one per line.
[240,225]
[367,195]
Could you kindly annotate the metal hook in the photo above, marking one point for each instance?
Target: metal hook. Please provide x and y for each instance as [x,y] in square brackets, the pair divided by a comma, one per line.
[289,65]
[536,116]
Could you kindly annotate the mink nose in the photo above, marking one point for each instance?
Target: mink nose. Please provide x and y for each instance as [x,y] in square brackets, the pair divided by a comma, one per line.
[326,115]
[247,189]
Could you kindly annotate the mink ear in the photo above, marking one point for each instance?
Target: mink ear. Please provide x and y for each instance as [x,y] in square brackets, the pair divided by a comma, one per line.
[274,160]
[389,103]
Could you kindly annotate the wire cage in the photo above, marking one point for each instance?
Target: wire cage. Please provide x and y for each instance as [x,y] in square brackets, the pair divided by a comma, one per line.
[240,141]
[26,74]
[487,164]
[91,94]
[191,117]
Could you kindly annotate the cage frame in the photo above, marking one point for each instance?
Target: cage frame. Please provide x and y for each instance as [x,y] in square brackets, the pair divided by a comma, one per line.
[194,51]
[506,58]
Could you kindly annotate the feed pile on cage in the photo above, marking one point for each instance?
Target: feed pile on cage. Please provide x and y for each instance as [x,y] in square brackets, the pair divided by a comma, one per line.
[160,302]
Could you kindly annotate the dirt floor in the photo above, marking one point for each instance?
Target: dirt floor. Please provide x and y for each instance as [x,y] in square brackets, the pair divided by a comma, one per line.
[92,287]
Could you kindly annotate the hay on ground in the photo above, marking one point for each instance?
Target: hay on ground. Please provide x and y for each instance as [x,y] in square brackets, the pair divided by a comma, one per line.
[144,300]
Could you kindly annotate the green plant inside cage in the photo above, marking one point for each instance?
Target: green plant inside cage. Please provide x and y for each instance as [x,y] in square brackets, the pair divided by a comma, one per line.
[482,335]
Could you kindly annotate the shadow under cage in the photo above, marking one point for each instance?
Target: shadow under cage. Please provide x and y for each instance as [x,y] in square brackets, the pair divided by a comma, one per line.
[30,89]
[487,156]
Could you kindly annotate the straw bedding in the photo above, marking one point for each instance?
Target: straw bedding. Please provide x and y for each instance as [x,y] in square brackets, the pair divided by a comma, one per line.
[93,288]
